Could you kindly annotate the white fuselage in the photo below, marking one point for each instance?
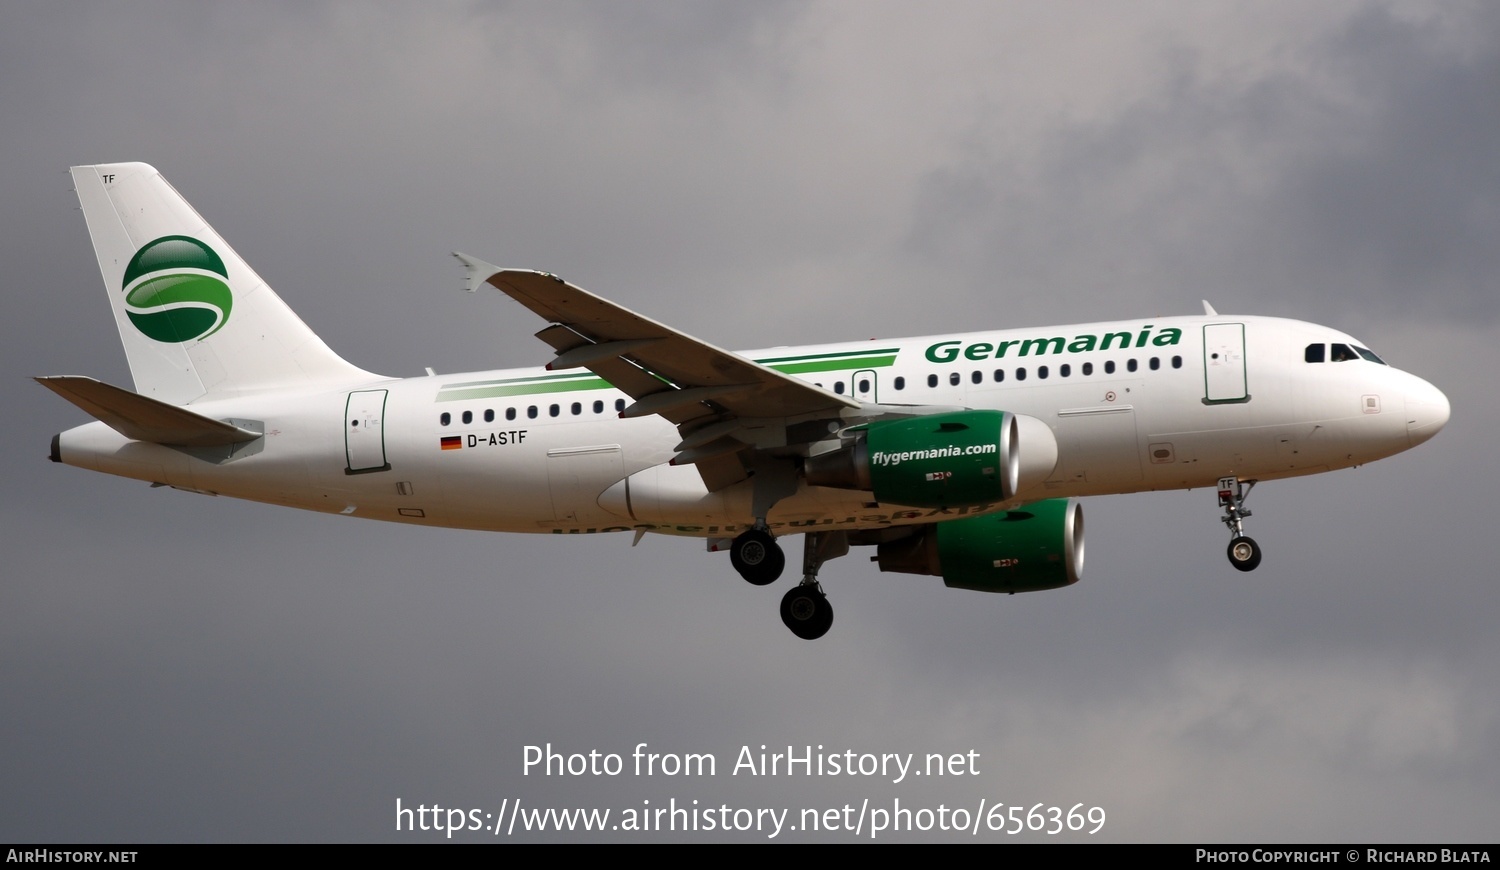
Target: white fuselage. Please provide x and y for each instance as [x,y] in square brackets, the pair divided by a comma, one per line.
[1168,403]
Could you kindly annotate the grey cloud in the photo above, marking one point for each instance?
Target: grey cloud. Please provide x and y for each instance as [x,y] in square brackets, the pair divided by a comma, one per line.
[177,667]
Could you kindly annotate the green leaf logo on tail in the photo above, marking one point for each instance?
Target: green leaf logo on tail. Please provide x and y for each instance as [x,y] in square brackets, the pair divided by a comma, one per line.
[176,290]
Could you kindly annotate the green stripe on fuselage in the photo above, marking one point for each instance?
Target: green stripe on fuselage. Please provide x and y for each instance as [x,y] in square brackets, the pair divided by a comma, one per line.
[884,351]
[500,389]
[832,365]
[567,383]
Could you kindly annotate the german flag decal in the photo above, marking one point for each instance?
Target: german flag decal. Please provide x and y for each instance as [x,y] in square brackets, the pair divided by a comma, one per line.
[452,442]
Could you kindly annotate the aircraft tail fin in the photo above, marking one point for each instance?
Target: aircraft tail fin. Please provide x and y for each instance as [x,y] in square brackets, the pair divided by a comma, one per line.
[195,319]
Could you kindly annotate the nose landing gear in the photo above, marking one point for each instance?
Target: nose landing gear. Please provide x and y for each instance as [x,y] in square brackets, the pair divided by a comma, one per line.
[1244,553]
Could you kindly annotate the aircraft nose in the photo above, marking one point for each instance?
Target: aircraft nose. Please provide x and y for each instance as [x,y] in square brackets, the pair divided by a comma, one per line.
[1427,412]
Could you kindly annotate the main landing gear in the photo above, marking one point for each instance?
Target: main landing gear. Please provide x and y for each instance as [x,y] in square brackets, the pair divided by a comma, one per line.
[1244,553]
[805,608]
[759,559]
[757,556]
[806,611]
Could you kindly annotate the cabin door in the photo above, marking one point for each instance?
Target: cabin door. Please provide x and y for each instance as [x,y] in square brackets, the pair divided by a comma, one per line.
[364,432]
[1224,363]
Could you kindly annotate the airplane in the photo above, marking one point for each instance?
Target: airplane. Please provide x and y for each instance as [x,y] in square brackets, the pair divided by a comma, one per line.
[959,456]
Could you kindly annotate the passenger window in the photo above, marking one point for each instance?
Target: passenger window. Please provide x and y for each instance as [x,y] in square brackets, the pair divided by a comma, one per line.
[446,418]
[1088,368]
[1041,372]
[1064,370]
[932,380]
[1176,362]
[620,405]
[510,413]
[468,417]
[864,385]
[953,379]
[1021,373]
[1109,367]
[1155,364]
[977,377]
[838,387]
[553,410]
[489,415]
[900,383]
[1130,365]
[999,375]
[598,407]
[577,409]
[531,412]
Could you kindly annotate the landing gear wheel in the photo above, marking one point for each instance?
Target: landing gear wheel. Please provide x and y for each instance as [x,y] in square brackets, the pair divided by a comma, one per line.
[757,556]
[806,611]
[1244,553]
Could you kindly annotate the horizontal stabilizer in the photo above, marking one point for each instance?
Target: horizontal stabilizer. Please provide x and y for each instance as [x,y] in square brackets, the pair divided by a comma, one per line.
[142,418]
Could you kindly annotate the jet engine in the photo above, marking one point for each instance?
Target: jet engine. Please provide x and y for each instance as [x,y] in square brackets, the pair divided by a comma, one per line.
[1036,547]
[955,459]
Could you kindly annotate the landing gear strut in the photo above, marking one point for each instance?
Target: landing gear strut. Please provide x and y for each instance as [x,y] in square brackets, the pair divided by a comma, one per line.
[759,559]
[1244,553]
[805,609]
[755,553]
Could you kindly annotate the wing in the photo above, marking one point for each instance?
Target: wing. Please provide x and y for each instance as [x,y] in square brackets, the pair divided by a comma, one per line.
[700,387]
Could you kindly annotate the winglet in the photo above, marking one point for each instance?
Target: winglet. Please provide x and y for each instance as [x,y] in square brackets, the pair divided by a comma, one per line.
[477,271]
[1209,309]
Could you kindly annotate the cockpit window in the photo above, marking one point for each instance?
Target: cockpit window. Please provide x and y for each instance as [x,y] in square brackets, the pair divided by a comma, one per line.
[1316,353]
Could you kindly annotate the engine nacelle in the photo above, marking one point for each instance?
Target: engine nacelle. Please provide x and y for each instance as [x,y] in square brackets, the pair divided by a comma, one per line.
[1037,547]
[958,459]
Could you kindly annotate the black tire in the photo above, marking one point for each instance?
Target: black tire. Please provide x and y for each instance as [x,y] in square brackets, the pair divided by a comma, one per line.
[757,556]
[1244,553]
[806,611]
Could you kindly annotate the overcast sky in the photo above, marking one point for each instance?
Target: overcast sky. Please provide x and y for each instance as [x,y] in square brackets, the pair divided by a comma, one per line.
[176,667]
